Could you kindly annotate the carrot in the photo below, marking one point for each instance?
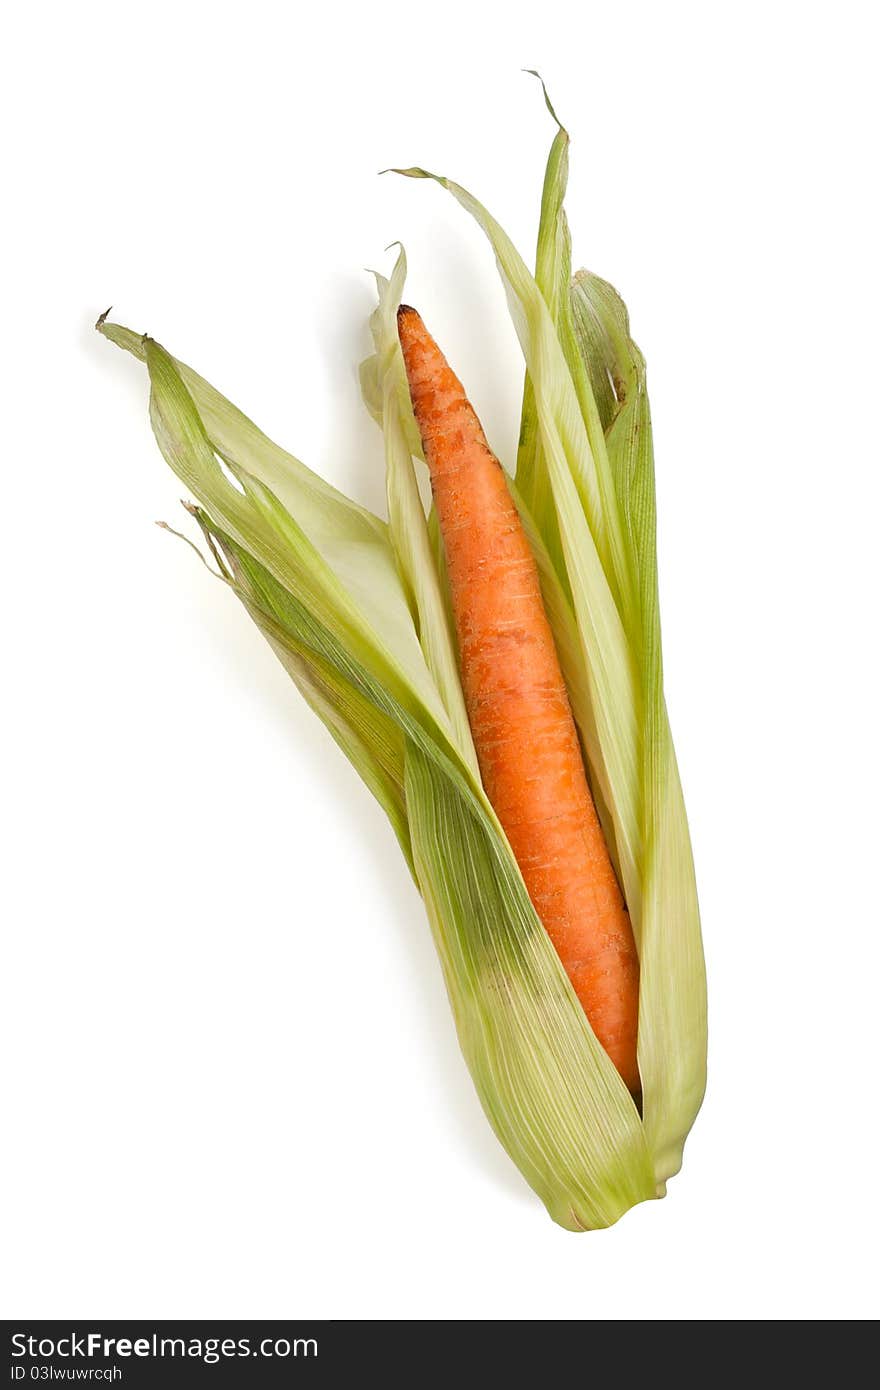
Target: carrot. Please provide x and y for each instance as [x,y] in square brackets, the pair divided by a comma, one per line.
[524,733]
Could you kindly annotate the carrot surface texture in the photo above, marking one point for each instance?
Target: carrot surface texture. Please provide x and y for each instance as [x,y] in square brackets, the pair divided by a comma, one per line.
[524,733]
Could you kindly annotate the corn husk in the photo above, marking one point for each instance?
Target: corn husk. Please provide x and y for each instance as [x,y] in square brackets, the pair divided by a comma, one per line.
[356,609]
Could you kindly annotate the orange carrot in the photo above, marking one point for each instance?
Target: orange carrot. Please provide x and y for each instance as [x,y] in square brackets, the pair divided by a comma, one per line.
[527,745]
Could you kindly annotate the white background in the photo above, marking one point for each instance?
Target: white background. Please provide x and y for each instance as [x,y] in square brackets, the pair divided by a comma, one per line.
[232,1082]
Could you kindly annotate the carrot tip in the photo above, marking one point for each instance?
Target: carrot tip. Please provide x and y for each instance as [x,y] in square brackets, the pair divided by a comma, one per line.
[405,309]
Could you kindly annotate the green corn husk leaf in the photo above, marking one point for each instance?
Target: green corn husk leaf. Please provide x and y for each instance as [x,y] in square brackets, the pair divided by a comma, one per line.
[672,1038]
[576,1134]
[552,256]
[601,330]
[608,372]
[358,612]
[341,554]
[406,517]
